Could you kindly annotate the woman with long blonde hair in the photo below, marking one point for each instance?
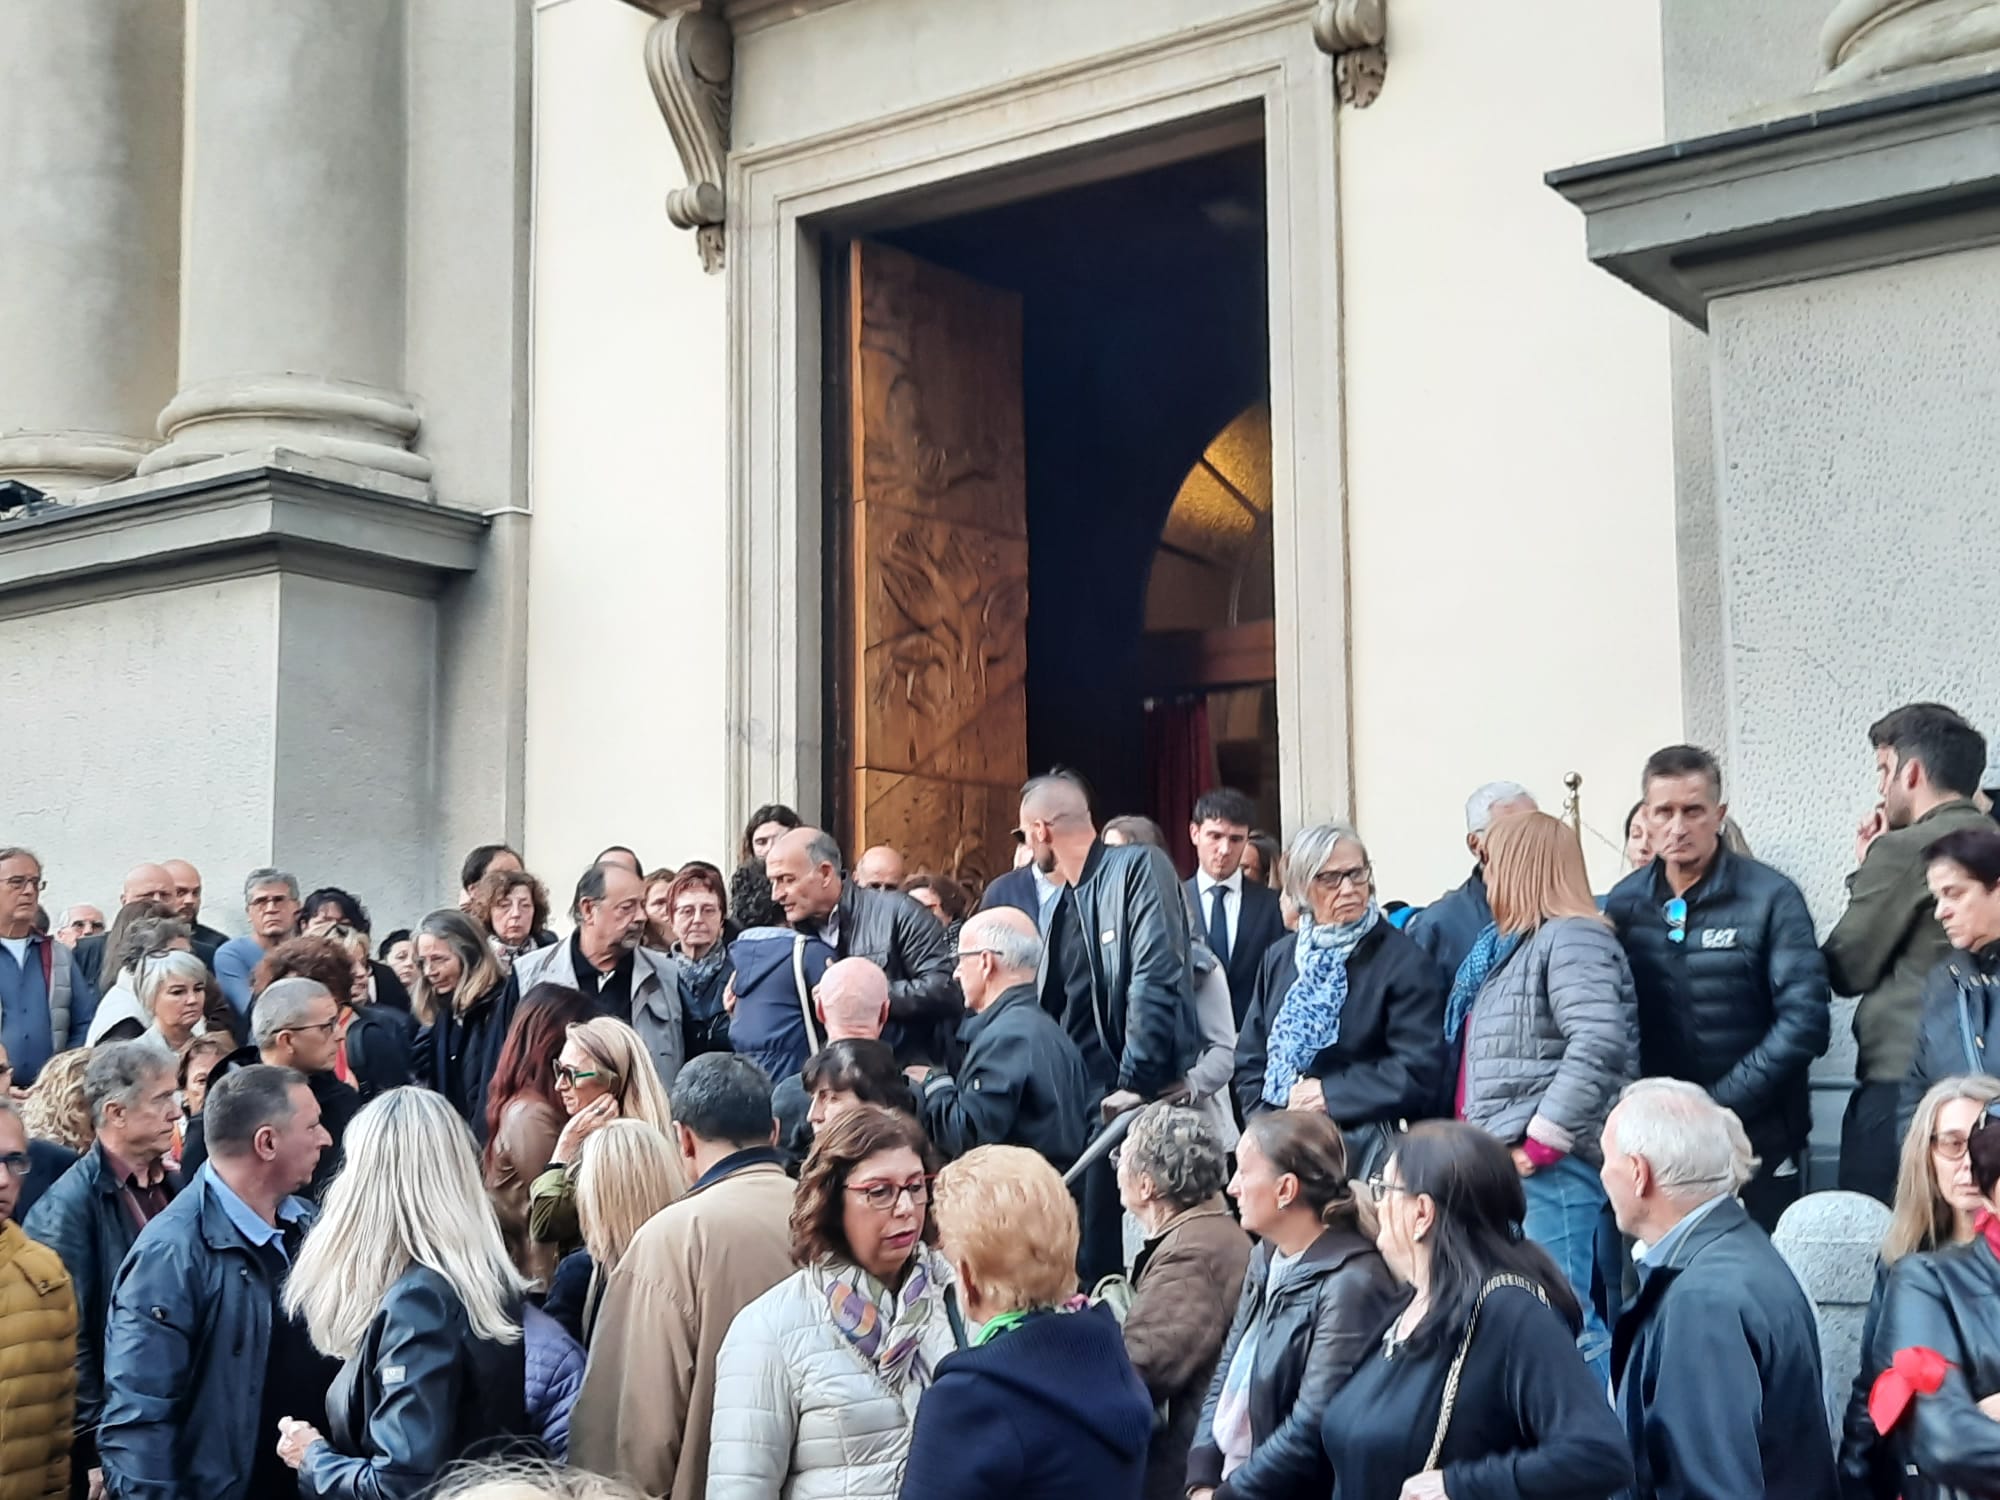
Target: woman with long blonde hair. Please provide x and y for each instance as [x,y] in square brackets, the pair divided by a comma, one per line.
[1544,1022]
[627,1172]
[1937,1204]
[465,1003]
[603,1073]
[406,1278]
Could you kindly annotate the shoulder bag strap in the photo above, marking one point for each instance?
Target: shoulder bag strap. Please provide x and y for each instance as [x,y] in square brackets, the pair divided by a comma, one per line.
[1968,1040]
[955,1318]
[1464,1348]
[805,993]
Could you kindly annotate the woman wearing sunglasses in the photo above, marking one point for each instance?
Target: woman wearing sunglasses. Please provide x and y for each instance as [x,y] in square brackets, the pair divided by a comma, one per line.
[817,1384]
[525,1117]
[1346,1013]
[1937,1204]
[603,1073]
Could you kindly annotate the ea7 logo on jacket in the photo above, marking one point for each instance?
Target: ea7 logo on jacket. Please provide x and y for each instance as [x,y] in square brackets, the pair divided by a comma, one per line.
[1718,937]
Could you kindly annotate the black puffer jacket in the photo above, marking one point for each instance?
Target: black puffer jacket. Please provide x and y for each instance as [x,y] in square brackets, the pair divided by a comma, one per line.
[1740,1005]
[453,1395]
[456,1055]
[1947,1300]
[906,943]
[1326,1316]
[1956,1020]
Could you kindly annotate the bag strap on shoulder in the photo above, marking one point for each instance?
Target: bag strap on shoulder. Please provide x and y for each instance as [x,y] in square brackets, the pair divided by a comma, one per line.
[805,992]
[1464,1348]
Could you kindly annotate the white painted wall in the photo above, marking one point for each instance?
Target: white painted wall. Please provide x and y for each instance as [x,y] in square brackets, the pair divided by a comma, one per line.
[626,568]
[1510,466]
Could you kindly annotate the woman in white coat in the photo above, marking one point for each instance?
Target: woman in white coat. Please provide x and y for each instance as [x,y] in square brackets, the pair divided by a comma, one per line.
[817,1384]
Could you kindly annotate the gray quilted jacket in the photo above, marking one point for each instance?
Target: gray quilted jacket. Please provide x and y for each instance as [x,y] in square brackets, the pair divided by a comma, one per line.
[1553,1037]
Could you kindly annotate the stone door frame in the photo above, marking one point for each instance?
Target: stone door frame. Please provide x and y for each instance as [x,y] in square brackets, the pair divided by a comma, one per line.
[1258,75]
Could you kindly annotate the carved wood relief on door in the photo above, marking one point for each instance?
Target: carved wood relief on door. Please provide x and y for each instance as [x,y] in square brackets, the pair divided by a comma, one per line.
[939,595]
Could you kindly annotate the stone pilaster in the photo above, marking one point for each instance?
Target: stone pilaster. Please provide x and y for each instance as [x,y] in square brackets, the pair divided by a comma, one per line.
[90,149]
[1880,44]
[293,288]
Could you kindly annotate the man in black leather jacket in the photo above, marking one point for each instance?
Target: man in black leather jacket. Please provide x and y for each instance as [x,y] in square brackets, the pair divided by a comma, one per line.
[886,927]
[1732,988]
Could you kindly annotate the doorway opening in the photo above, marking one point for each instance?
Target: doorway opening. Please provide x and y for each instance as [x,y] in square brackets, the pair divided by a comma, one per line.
[1048,484]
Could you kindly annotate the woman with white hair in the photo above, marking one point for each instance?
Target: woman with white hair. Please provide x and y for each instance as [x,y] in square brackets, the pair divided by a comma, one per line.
[173,989]
[406,1278]
[1347,1013]
[120,1015]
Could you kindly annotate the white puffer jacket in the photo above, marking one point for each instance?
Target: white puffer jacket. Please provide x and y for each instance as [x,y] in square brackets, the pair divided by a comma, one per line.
[799,1414]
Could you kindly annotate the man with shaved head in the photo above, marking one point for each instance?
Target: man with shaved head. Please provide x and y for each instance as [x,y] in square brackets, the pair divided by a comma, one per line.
[852,1002]
[143,882]
[1022,1082]
[186,902]
[886,927]
[879,869]
[1116,971]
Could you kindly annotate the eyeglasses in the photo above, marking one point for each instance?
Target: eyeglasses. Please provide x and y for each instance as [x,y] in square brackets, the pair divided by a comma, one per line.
[326,1026]
[971,953]
[1676,912]
[25,883]
[1950,1144]
[1333,880]
[1380,1187]
[17,1163]
[883,1196]
[573,1076]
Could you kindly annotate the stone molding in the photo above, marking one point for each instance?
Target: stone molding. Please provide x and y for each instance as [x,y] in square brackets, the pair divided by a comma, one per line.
[1866,184]
[342,420]
[244,514]
[690,61]
[1868,40]
[1354,32]
[58,462]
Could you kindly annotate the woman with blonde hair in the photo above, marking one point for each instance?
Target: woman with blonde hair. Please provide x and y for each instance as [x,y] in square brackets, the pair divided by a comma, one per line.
[603,1073]
[465,1003]
[56,1109]
[1544,1020]
[1937,1204]
[628,1171]
[405,1277]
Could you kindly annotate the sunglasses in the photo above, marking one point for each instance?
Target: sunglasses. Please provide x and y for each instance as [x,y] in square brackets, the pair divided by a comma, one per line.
[573,1076]
[1677,920]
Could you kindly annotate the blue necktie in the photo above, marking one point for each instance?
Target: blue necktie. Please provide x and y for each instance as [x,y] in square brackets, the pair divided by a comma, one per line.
[1218,923]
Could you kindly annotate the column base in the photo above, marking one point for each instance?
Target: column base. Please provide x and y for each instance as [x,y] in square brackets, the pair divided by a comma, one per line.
[343,420]
[62,463]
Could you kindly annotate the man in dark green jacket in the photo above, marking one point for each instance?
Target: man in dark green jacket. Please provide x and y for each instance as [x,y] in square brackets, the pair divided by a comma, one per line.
[1929,761]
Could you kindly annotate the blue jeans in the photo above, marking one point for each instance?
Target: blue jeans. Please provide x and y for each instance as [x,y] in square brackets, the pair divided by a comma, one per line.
[1566,1210]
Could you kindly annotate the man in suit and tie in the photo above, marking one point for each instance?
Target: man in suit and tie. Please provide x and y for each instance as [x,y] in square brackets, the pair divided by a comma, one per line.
[1239,917]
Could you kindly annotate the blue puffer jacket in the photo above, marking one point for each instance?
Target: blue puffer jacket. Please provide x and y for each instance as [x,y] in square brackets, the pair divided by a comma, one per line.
[769,1025]
[555,1375]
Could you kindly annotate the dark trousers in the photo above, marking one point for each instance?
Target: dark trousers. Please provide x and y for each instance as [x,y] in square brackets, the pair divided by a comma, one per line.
[1100,1251]
[1767,1195]
[1870,1146]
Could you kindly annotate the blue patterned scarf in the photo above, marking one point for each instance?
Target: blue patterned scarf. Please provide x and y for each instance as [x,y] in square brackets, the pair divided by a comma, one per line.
[1491,951]
[1309,1017]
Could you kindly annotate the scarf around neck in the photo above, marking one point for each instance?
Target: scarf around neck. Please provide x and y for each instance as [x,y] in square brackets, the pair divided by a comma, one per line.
[886,1328]
[1309,1017]
[1490,951]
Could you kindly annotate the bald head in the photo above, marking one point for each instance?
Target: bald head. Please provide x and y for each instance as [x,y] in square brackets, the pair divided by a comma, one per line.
[880,869]
[187,889]
[853,998]
[997,950]
[147,883]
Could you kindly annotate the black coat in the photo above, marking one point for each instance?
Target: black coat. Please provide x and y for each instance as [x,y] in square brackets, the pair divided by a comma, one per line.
[1022,1084]
[83,1218]
[474,1039]
[1259,924]
[1389,1063]
[379,1038]
[389,990]
[1959,1011]
[1132,919]
[905,941]
[1740,1005]
[47,1161]
[1867,1463]
[1717,1369]
[338,1105]
[1017,889]
[1947,1300]
[455,1396]
[1326,1316]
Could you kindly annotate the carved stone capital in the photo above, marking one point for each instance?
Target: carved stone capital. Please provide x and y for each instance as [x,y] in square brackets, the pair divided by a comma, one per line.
[1865,40]
[690,60]
[1354,31]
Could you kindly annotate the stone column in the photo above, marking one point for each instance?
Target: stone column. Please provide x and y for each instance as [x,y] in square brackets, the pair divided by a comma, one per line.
[293,287]
[90,151]
[1879,44]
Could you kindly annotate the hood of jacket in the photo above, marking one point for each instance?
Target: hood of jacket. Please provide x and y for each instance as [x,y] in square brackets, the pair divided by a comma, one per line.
[1072,1371]
[761,952]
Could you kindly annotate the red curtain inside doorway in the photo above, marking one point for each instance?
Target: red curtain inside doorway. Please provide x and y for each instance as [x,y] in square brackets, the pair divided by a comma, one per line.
[1180,766]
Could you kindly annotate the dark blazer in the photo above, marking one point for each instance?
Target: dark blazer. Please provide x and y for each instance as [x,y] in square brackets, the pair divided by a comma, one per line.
[1947,1300]
[907,944]
[83,1218]
[1389,1063]
[455,1396]
[1017,889]
[1326,1316]
[1717,1369]
[1259,924]
[379,1038]
[338,1105]
[1022,1084]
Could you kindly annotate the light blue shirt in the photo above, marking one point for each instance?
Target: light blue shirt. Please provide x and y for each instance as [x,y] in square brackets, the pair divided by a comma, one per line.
[1659,1254]
[249,1223]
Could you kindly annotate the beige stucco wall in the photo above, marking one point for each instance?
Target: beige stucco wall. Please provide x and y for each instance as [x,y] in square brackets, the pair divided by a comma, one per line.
[1510,466]
[626,564]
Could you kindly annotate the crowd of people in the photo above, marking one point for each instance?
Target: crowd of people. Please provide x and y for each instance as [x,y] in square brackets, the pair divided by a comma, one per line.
[812,1179]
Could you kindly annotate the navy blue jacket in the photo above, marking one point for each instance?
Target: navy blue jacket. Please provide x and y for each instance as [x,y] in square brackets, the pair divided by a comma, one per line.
[1048,1410]
[1717,1369]
[1022,1084]
[1017,889]
[1450,925]
[1740,1005]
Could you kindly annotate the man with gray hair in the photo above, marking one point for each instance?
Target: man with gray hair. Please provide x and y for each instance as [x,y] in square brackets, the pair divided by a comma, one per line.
[271,898]
[1716,1362]
[97,1208]
[297,1024]
[1023,1081]
[1448,928]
